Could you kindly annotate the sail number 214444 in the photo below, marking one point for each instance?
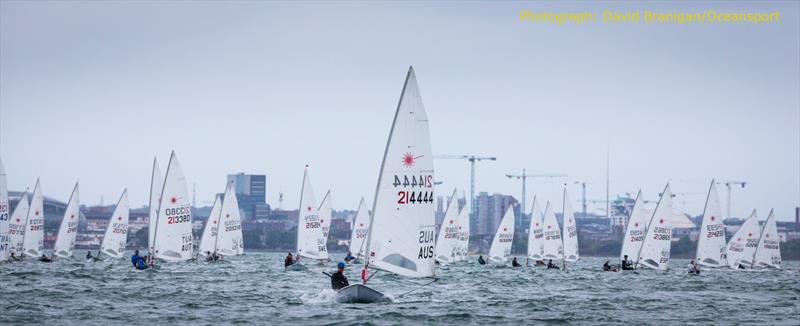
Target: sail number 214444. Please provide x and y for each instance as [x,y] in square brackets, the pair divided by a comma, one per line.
[420,189]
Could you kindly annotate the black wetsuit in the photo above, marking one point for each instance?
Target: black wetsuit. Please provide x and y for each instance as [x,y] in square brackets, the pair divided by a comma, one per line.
[288,261]
[626,265]
[514,263]
[338,280]
[481,261]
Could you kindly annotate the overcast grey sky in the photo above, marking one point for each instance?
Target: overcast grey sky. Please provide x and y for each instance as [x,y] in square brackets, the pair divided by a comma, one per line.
[93,90]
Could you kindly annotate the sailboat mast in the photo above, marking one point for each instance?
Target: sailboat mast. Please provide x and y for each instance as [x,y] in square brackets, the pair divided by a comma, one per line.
[151,248]
[563,230]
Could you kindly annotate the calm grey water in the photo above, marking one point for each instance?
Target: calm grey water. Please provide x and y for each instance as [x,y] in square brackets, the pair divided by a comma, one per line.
[255,289]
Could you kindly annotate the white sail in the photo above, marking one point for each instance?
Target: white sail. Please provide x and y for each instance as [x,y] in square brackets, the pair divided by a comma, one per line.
[17,224]
[447,240]
[401,237]
[325,215]
[463,233]
[156,183]
[552,245]
[172,238]
[309,229]
[768,252]
[656,246]
[359,230]
[117,230]
[208,239]
[33,245]
[635,231]
[5,238]
[743,244]
[711,246]
[536,232]
[503,238]
[229,241]
[570,235]
[68,230]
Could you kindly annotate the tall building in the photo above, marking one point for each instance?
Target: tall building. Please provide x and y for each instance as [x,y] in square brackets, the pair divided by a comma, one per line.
[251,193]
[490,210]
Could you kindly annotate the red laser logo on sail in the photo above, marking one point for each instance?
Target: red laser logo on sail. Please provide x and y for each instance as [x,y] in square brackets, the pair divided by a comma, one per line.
[408,160]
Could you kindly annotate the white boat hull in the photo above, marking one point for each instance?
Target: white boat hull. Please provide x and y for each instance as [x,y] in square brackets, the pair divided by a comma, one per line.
[359,293]
[296,267]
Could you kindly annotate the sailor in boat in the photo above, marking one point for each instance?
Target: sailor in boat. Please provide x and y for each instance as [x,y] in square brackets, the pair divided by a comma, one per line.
[540,262]
[45,259]
[89,255]
[138,261]
[608,268]
[288,260]
[15,258]
[338,280]
[515,263]
[551,265]
[692,268]
[349,257]
[481,261]
[626,264]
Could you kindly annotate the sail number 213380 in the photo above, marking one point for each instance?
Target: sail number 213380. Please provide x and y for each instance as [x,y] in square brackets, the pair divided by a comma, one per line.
[417,189]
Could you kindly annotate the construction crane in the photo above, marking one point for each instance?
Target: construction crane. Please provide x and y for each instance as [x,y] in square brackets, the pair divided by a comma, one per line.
[524,177]
[728,184]
[472,159]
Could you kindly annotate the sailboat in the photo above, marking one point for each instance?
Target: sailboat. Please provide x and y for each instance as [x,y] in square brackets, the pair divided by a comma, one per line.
[116,235]
[536,233]
[552,246]
[500,249]
[5,238]
[402,227]
[325,215]
[229,239]
[447,240]
[172,236]
[68,230]
[463,233]
[309,230]
[711,245]
[768,252]
[156,182]
[32,245]
[208,239]
[743,244]
[570,235]
[16,226]
[655,249]
[635,232]
[358,235]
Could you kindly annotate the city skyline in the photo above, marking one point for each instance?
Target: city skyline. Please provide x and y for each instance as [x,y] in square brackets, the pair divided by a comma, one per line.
[94,93]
